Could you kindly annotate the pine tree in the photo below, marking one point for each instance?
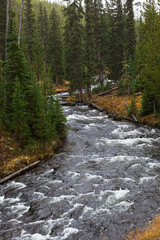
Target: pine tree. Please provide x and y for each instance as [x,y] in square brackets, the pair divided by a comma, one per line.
[130,36]
[74,46]
[16,66]
[2,29]
[29,30]
[55,51]
[90,53]
[98,29]
[115,39]
[150,55]
[19,123]
[57,116]
[46,31]
[2,95]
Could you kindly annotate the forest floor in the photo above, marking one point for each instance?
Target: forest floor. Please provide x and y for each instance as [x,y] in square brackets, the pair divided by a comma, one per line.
[13,158]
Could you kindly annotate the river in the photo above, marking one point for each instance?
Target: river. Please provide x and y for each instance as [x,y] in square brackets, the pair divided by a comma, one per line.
[103,183]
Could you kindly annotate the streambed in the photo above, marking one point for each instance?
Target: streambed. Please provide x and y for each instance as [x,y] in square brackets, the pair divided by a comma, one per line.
[104,182]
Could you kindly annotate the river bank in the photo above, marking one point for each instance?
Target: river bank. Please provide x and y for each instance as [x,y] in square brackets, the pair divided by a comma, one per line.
[14,159]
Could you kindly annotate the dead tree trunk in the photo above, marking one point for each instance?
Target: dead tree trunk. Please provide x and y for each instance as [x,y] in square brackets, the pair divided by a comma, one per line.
[20,23]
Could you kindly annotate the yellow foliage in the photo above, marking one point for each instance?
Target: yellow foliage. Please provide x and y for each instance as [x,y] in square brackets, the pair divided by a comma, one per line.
[114,103]
[62,88]
[151,232]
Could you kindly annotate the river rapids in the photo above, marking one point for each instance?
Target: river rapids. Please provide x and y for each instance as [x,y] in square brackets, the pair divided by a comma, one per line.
[102,184]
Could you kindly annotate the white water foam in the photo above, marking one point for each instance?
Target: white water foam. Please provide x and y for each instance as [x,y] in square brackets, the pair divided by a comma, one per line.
[1,199]
[123,206]
[69,231]
[91,177]
[16,184]
[127,142]
[12,200]
[77,117]
[152,165]
[120,133]
[40,195]
[73,174]
[61,198]
[19,209]
[146,179]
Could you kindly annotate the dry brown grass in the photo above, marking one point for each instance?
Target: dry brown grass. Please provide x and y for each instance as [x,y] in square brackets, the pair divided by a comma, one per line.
[62,88]
[114,103]
[151,232]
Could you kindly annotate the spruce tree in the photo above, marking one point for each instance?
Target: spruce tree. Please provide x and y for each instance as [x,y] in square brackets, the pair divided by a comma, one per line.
[19,115]
[46,33]
[130,36]
[98,30]
[29,30]
[2,95]
[16,66]
[2,29]
[57,116]
[74,46]
[55,51]
[90,42]
[150,55]
[115,39]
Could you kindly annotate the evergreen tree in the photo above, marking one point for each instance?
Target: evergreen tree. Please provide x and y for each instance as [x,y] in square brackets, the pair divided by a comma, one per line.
[41,25]
[74,46]
[39,67]
[2,29]
[29,30]
[57,116]
[19,123]
[55,51]
[115,39]
[2,95]
[90,43]
[130,36]
[150,55]
[46,31]
[16,65]
[98,31]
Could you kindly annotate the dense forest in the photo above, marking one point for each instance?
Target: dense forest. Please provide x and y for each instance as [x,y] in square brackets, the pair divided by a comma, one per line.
[86,43]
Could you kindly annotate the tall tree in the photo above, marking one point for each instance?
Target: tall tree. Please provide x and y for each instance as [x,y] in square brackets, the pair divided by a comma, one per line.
[2,29]
[150,55]
[130,36]
[115,39]
[90,43]
[55,50]
[74,46]
[98,31]
[20,22]
[29,30]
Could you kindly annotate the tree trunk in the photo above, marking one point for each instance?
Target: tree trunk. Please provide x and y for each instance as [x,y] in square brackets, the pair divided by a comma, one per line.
[57,80]
[20,23]
[154,106]
[81,95]
[100,71]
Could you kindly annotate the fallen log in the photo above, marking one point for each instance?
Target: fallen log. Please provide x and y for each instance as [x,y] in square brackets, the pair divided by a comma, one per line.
[108,91]
[19,172]
[95,106]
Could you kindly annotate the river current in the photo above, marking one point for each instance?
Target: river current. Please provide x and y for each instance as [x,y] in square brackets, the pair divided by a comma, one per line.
[103,183]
